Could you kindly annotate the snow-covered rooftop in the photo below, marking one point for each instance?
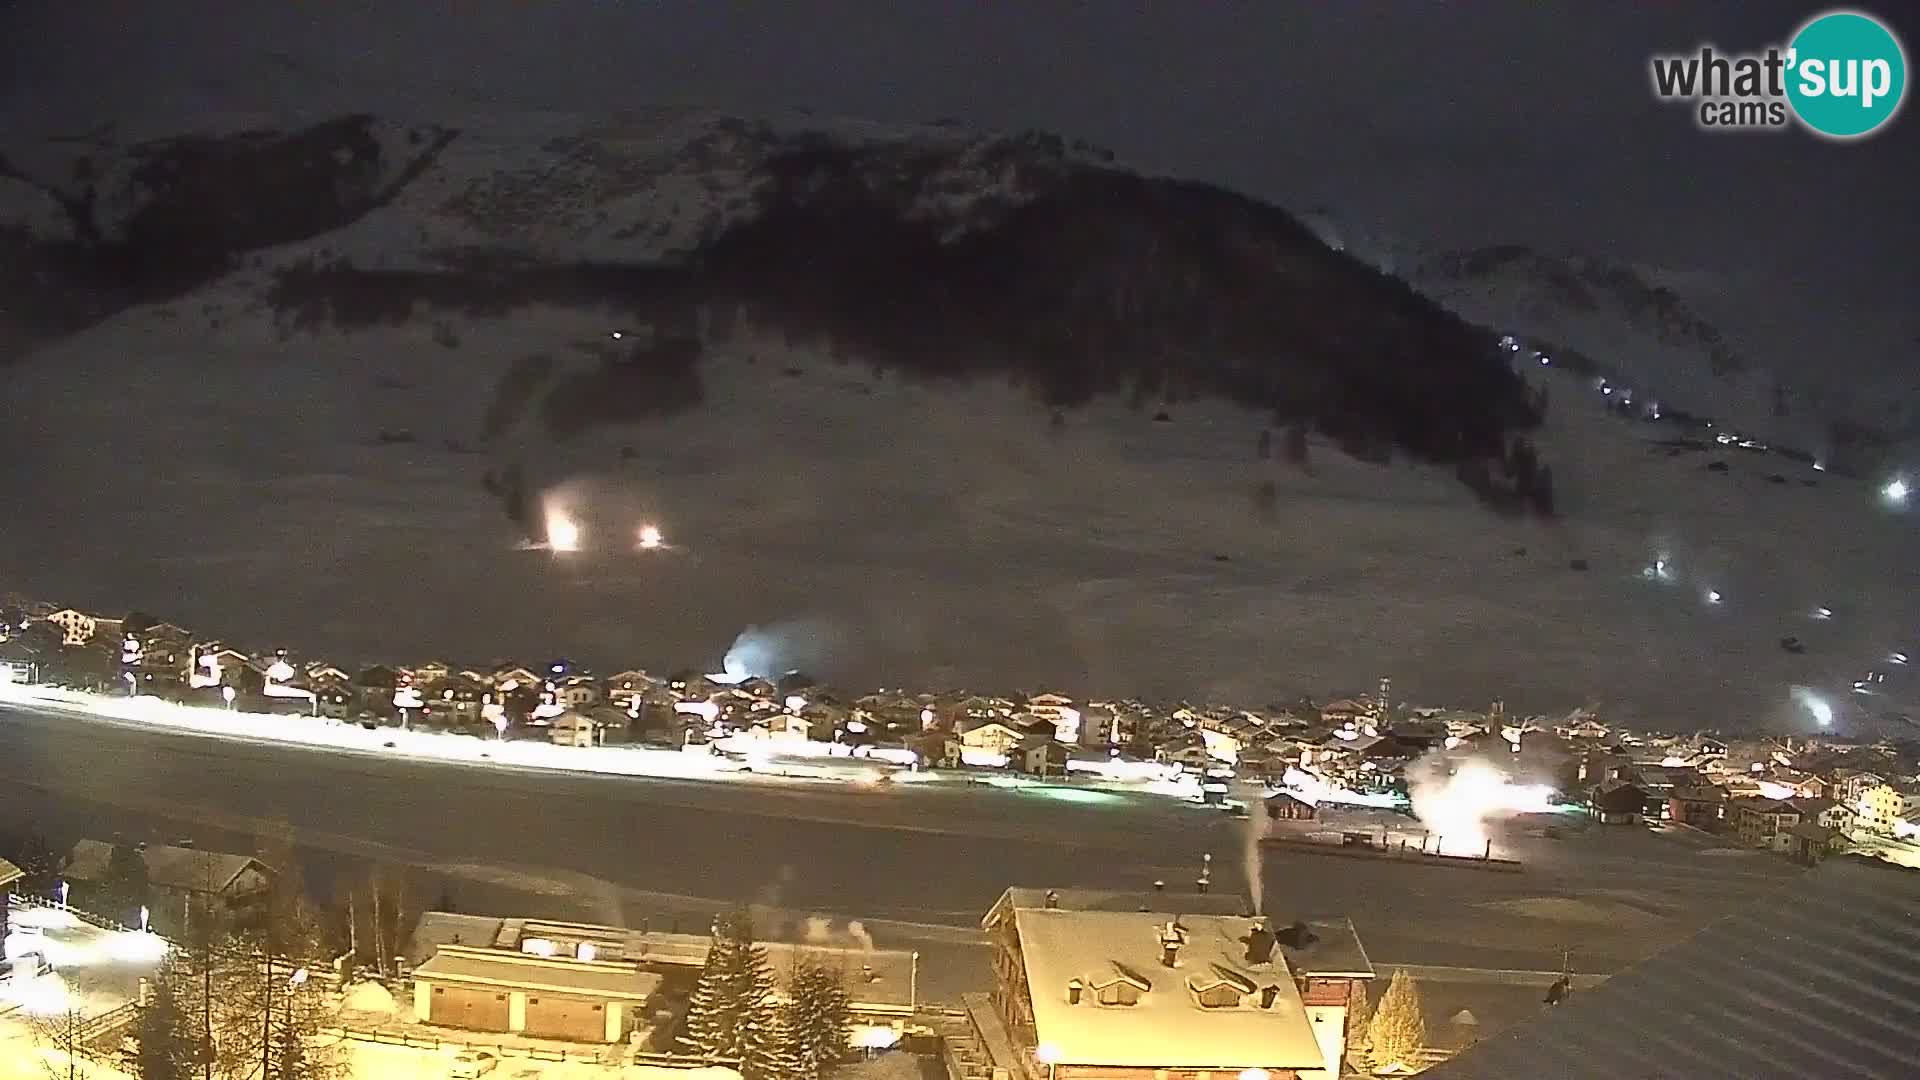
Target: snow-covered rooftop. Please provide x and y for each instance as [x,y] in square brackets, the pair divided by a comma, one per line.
[1328,946]
[495,967]
[1167,1027]
[878,980]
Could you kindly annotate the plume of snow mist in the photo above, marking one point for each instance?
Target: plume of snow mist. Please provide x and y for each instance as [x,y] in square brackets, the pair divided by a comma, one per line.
[1455,802]
[858,931]
[1251,862]
[771,651]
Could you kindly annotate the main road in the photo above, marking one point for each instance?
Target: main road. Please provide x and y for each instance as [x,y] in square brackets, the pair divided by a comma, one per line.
[915,863]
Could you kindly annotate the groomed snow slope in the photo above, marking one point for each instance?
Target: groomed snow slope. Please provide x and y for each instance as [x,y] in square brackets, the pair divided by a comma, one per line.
[920,534]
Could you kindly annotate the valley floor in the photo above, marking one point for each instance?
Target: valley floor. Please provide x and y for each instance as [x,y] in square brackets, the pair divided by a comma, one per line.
[880,532]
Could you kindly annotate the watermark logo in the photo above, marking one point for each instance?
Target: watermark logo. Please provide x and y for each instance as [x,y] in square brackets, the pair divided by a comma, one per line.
[1843,75]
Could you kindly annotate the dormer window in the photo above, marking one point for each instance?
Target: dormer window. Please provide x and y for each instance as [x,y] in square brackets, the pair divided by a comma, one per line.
[1120,985]
[1220,988]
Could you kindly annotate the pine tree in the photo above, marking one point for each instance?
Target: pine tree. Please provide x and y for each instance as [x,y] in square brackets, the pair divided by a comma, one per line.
[725,989]
[820,1015]
[1398,1029]
[123,887]
[1359,1019]
[755,1032]
[772,1054]
[167,1047]
[769,1050]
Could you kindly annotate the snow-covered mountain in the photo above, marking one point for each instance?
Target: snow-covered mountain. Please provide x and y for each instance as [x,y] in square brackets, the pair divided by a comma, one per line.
[932,250]
[1744,352]
[279,384]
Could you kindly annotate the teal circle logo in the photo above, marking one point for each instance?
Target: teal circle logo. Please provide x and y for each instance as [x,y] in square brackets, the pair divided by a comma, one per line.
[1847,74]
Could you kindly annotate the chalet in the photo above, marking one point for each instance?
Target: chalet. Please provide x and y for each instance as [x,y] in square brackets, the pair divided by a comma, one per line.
[589,983]
[1850,784]
[624,687]
[1703,806]
[1765,823]
[322,674]
[578,692]
[1058,710]
[453,701]
[510,677]
[183,883]
[1620,804]
[1287,806]
[431,672]
[992,737]
[1093,993]
[337,701]
[780,727]
[573,728]
[1042,755]
[572,998]
[10,875]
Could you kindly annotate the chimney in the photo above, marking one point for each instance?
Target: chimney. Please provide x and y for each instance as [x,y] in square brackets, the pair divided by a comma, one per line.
[1074,988]
[1267,995]
[1172,936]
[1260,942]
[1052,900]
[866,973]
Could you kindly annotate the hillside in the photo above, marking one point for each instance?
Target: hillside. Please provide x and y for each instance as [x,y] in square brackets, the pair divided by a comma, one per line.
[925,406]
[930,251]
[1745,352]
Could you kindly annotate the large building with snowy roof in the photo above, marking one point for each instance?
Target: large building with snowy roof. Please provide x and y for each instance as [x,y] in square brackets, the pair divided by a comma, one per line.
[1098,986]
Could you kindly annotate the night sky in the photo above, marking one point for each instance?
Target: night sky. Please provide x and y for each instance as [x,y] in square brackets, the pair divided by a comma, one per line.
[1449,124]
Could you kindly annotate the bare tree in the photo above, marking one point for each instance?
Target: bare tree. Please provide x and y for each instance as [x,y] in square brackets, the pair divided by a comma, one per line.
[62,1040]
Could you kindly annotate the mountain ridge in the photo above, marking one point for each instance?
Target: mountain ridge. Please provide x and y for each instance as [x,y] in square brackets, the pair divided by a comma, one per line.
[935,250]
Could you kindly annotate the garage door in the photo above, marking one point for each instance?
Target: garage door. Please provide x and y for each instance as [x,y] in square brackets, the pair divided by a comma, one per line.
[458,1006]
[551,1017]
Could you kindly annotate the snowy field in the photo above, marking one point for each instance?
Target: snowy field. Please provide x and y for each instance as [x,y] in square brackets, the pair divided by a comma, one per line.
[883,532]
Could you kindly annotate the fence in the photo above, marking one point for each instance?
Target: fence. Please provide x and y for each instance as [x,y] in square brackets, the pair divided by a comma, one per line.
[101,921]
[500,1050]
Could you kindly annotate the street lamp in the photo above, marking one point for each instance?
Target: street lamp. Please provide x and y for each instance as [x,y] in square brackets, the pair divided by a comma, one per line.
[227,694]
[1049,1056]
[64,886]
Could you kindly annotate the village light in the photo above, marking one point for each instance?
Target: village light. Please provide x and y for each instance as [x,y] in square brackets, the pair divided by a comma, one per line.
[1895,492]
[650,537]
[1253,1074]
[563,533]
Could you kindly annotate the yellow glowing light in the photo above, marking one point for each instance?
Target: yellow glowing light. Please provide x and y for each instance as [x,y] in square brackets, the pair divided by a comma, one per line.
[563,533]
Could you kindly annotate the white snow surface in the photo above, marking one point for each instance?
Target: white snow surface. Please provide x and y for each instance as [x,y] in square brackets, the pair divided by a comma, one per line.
[894,532]
[1168,1025]
[1825,366]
